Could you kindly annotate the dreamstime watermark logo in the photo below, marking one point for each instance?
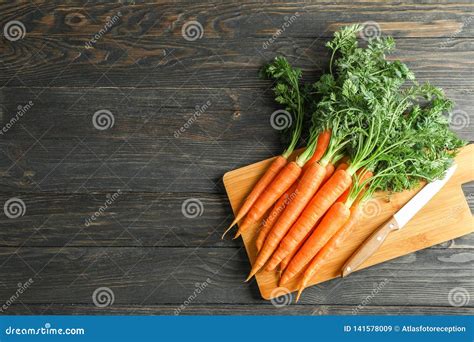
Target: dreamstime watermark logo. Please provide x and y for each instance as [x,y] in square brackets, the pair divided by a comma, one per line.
[458,297]
[192,208]
[199,288]
[275,213]
[111,21]
[103,119]
[22,287]
[286,24]
[371,208]
[281,296]
[199,110]
[47,329]
[281,119]
[371,296]
[192,30]
[111,198]
[103,297]
[21,110]
[455,213]
[14,30]
[465,23]
[458,119]
[14,207]
[319,312]
[370,30]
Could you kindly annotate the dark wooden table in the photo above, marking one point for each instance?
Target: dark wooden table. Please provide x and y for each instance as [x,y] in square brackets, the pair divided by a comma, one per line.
[103,199]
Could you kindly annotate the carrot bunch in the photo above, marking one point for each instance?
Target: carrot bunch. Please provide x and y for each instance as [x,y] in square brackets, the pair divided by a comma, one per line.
[369,131]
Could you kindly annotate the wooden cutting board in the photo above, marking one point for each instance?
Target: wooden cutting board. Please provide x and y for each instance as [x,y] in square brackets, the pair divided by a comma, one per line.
[447,216]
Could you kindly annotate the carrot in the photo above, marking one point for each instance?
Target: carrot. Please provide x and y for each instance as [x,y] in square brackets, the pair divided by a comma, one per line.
[307,187]
[284,263]
[277,164]
[334,219]
[274,215]
[329,171]
[329,248]
[322,144]
[341,166]
[364,175]
[281,183]
[360,190]
[343,160]
[317,207]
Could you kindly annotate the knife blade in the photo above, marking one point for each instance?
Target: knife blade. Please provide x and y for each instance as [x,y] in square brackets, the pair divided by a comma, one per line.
[414,205]
[396,222]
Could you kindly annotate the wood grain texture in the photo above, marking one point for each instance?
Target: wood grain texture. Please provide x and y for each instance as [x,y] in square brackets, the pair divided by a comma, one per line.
[445,217]
[159,276]
[152,79]
[234,309]
[236,19]
[207,63]
[232,113]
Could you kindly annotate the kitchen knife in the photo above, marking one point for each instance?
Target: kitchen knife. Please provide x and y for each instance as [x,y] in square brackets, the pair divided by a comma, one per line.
[396,222]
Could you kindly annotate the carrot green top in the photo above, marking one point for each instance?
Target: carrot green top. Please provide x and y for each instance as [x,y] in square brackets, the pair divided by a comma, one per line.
[289,94]
[386,122]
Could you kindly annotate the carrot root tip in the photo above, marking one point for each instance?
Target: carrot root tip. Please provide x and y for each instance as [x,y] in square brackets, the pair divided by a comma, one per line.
[228,229]
[300,291]
[249,277]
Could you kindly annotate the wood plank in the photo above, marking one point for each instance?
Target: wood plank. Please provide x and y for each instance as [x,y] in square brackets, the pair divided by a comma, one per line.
[132,219]
[116,219]
[447,216]
[254,18]
[233,309]
[145,276]
[230,114]
[81,166]
[54,61]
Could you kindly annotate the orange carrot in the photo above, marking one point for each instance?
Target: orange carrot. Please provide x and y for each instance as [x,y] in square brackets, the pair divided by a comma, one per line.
[322,144]
[267,177]
[317,207]
[284,263]
[274,215]
[329,171]
[329,248]
[365,175]
[343,160]
[306,188]
[334,219]
[281,183]
[342,166]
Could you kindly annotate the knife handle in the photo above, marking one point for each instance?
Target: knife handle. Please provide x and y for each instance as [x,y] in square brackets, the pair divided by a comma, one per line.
[369,246]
